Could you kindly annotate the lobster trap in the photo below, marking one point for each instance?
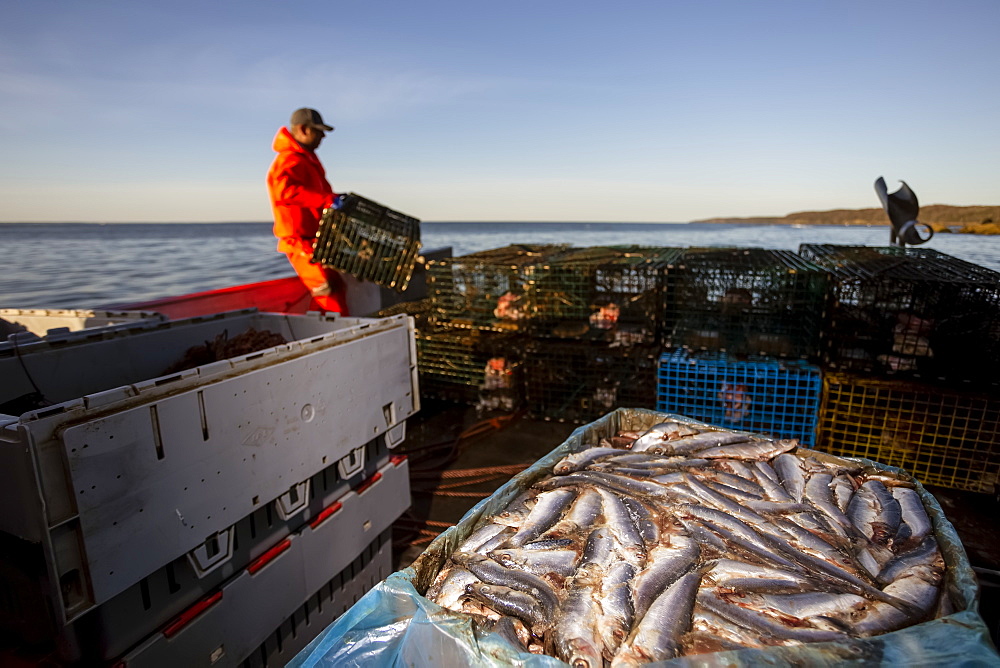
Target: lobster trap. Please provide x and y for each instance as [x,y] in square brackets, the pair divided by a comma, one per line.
[418,309]
[779,398]
[470,366]
[578,381]
[494,289]
[368,241]
[941,437]
[610,293]
[752,301]
[913,313]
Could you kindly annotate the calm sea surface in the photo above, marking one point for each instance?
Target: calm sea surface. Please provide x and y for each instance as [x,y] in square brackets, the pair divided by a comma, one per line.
[86,265]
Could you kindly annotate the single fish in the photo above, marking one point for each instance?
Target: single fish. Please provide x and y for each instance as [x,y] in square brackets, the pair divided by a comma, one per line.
[513,602]
[451,590]
[664,566]
[913,512]
[843,490]
[660,433]
[881,617]
[875,512]
[580,460]
[807,604]
[698,442]
[574,636]
[598,550]
[763,624]
[548,544]
[546,512]
[752,450]
[723,572]
[657,635]
[538,562]
[926,555]
[617,607]
[791,474]
[477,538]
[618,519]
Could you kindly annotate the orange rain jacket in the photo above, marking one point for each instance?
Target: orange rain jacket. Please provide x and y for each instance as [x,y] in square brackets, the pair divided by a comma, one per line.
[299,192]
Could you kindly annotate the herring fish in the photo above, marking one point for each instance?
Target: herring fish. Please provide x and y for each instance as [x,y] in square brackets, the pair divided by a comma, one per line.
[657,636]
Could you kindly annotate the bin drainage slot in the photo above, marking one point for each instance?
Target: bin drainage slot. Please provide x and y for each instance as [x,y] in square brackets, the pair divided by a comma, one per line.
[215,551]
[395,435]
[293,501]
[352,463]
[203,415]
[154,418]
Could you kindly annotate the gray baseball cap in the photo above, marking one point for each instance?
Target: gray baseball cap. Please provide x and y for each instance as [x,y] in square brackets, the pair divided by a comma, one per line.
[310,117]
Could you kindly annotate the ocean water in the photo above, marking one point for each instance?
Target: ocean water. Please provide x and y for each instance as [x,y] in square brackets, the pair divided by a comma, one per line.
[87,265]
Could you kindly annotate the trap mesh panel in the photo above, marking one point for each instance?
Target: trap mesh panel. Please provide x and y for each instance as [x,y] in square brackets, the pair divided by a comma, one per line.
[939,436]
[369,241]
[470,366]
[576,381]
[492,289]
[744,301]
[779,398]
[604,292]
[910,312]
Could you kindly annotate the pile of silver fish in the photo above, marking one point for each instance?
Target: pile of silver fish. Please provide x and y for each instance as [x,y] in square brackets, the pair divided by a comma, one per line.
[678,541]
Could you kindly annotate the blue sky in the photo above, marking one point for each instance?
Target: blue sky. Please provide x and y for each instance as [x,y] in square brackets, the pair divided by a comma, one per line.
[661,111]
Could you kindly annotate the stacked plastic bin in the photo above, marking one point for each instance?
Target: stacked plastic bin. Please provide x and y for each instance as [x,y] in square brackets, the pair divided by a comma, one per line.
[742,328]
[208,512]
[912,347]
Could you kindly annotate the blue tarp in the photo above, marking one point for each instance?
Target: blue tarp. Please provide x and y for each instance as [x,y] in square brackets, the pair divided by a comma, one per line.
[394,625]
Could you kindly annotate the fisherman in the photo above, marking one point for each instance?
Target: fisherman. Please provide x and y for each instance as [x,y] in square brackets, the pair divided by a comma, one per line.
[299,192]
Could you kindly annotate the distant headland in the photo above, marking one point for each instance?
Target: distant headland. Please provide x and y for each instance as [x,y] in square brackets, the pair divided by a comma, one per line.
[941,217]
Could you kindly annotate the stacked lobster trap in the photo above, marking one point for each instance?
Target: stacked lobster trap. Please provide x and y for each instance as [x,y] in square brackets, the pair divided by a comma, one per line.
[741,330]
[471,347]
[738,337]
[570,332]
[910,313]
[744,301]
[609,294]
[471,366]
[911,345]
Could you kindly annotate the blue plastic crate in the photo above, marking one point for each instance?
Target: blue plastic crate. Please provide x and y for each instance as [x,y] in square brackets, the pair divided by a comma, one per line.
[759,394]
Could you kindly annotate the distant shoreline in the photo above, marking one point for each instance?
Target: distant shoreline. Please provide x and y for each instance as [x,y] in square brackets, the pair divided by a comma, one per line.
[940,217]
